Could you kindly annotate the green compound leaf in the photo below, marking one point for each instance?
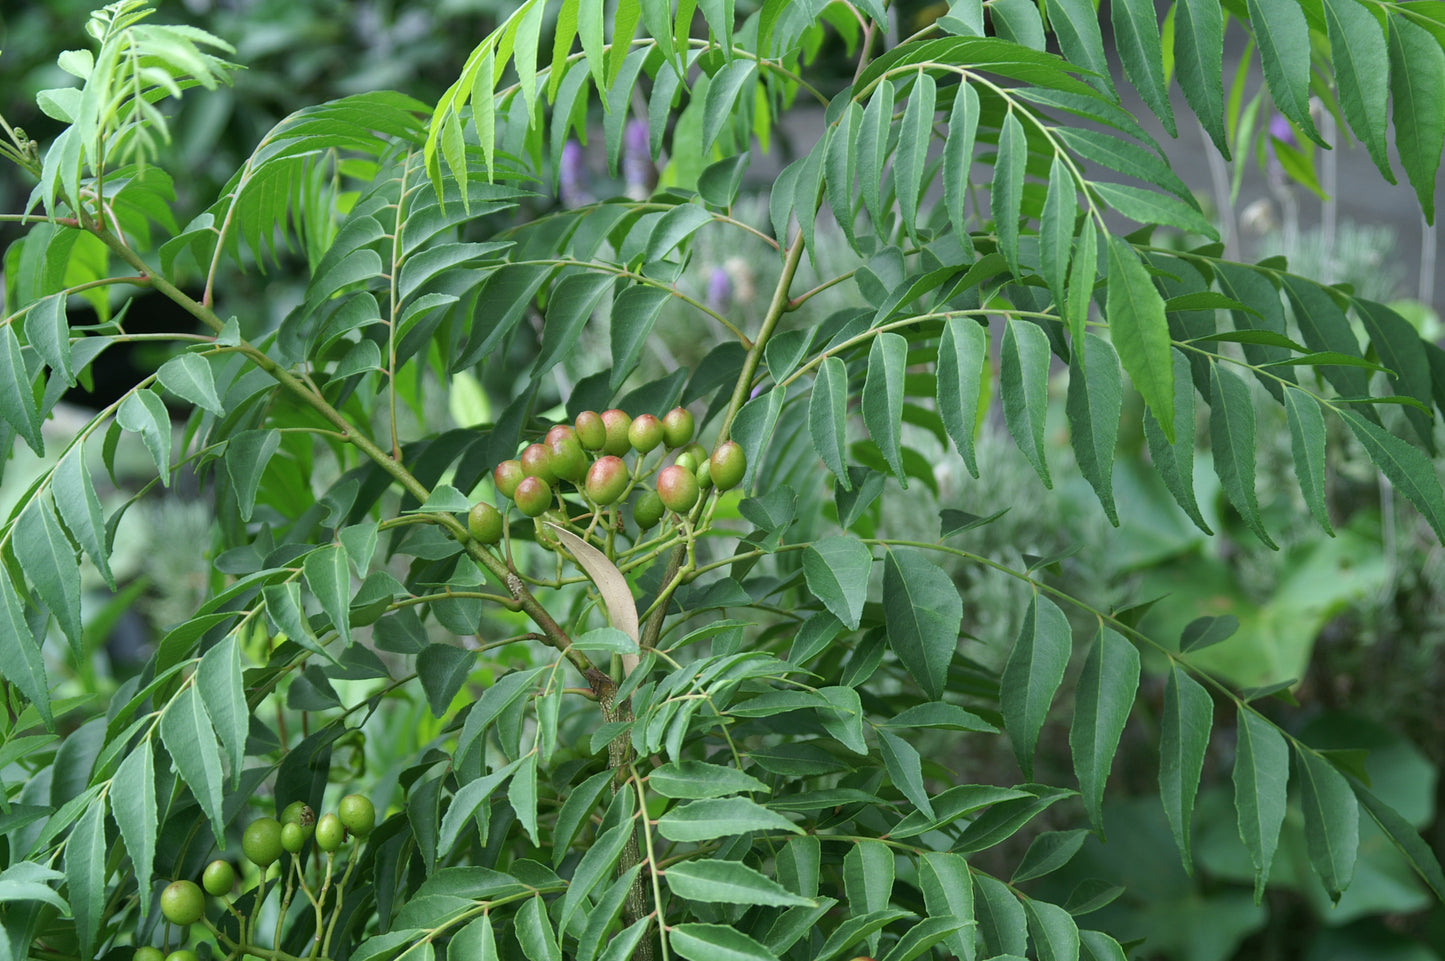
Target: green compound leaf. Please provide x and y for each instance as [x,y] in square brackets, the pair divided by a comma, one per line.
[1032,676]
[1139,330]
[883,398]
[1332,820]
[1105,694]
[837,570]
[1183,739]
[1261,780]
[827,418]
[924,613]
[728,882]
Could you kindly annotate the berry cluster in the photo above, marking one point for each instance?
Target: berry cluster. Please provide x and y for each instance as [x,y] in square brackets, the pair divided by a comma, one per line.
[263,842]
[590,455]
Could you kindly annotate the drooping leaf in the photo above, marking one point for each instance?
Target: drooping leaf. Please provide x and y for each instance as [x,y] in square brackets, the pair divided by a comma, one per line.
[534,930]
[872,147]
[883,398]
[728,882]
[1001,919]
[1283,37]
[85,871]
[868,876]
[697,941]
[1417,88]
[1032,676]
[720,817]
[923,613]
[958,155]
[1056,228]
[223,694]
[189,377]
[1231,431]
[17,401]
[905,769]
[143,412]
[1404,837]
[45,553]
[1332,820]
[1175,460]
[187,734]
[1404,464]
[1024,382]
[947,887]
[133,806]
[1008,188]
[1105,694]
[827,417]
[1075,24]
[21,662]
[1360,61]
[1055,935]
[1261,777]
[838,569]
[915,133]
[1136,34]
[1183,739]
[328,574]
[962,354]
[1095,399]
[1140,331]
[1307,444]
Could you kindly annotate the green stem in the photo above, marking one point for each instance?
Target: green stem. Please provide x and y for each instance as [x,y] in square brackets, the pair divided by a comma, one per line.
[776,309]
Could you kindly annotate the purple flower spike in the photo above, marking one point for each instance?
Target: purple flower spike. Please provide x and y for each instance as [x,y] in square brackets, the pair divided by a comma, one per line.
[1281,130]
[637,169]
[573,175]
[719,289]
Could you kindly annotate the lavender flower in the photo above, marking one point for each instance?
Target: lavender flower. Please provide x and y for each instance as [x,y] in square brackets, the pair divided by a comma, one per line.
[573,175]
[637,169]
[719,289]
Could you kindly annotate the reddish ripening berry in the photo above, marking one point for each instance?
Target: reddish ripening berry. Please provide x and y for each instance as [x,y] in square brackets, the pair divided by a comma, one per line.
[607,480]
[728,465]
[677,486]
[559,432]
[677,427]
[507,475]
[537,462]
[647,510]
[617,422]
[218,878]
[645,433]
[533,496]
[357,814]
[591,432]
[183,903]
[484,523]
[568,462]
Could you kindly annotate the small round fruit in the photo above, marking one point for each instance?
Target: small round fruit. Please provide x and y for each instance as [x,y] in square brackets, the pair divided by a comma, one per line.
[558,432]
[537,462]
[728,465]
[617,422]
[645,433]
[607,480]
[298,812]
[148,953]
[182,954]
[507,475]
[591,432]
[647,510]
[293,838]
[262,841]
[219,877]
[568,461]
[330,832]
[677,486]
[183,903]
[704,475]
[677,427]
[533,496]
[687,460]
[484,523]
[358,814]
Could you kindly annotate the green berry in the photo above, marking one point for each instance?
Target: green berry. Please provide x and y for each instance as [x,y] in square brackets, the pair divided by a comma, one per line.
[293,838]
[533,496]
[677,486]
[568,461]
[507,475]
[182,954]
[728,465]
[677,427]
[704,475]
[299,812]
[219,877]
[607,480]
[591,432]
[330,832]
[183,903]
[648,509]
[262,841]
[537,462]
[484,523]
[617,422]
[358,814]
[148,953]
[645,433]
[686,460]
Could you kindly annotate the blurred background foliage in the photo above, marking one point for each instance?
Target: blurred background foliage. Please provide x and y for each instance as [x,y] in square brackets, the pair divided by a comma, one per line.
[1357,620]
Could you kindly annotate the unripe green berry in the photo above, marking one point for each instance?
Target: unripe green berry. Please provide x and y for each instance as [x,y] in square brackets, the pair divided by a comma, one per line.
[647,510]
[293,838]
[698,451]
[537,462]
[728,465]
[687,460]
[330,832]
[219,877]
[261,842]
[568,462]
[148,953]
[645,433]
[704,475]
[617,422]
[358,814]
[607,480]
[183,903]
[182,954]
[484,523]
[299,812]
[677,486]
[533,496]
[591,432]
[507,475]
[677,427]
